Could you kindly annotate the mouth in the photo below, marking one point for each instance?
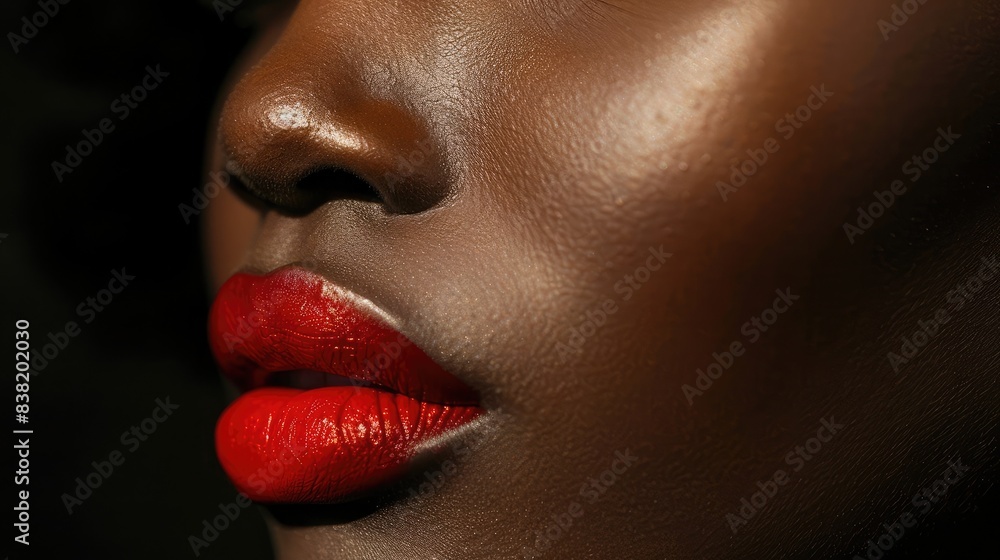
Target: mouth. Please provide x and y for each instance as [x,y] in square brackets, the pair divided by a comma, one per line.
[334,403]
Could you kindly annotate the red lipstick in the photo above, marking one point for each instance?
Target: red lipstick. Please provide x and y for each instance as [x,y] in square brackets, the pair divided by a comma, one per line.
[336,401]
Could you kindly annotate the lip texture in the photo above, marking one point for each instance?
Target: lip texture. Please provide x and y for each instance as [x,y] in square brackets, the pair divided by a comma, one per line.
[324,444]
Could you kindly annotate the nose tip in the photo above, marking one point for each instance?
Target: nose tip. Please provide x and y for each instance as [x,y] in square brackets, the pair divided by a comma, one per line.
[295,146]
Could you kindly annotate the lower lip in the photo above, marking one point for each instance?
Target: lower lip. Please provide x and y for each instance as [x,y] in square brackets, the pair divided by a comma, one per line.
[325,445]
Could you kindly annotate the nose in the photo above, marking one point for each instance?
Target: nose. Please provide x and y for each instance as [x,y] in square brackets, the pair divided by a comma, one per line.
[304,127]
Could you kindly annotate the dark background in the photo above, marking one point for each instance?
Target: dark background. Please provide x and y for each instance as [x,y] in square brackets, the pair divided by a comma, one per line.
[118,208]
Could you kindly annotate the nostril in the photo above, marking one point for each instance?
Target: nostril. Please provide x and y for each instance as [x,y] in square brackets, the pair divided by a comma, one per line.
[330,183]
[305,195]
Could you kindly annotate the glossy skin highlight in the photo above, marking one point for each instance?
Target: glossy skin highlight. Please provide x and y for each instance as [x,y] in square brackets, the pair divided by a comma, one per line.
[525,157]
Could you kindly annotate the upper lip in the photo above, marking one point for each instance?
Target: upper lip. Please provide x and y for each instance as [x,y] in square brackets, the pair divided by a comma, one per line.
[293,319]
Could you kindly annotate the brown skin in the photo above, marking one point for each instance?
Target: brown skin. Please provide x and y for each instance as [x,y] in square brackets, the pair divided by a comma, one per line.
[559,146]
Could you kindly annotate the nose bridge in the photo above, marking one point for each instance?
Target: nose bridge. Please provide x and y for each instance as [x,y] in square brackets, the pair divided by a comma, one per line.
[306,107]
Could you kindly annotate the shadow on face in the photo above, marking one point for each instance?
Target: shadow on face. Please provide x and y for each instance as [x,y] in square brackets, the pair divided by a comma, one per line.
[728,272]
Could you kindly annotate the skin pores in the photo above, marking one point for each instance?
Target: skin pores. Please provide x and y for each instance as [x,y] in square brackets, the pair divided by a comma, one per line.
[580,208]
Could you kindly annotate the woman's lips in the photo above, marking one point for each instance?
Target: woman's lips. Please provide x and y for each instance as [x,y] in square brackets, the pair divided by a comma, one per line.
[322,445]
